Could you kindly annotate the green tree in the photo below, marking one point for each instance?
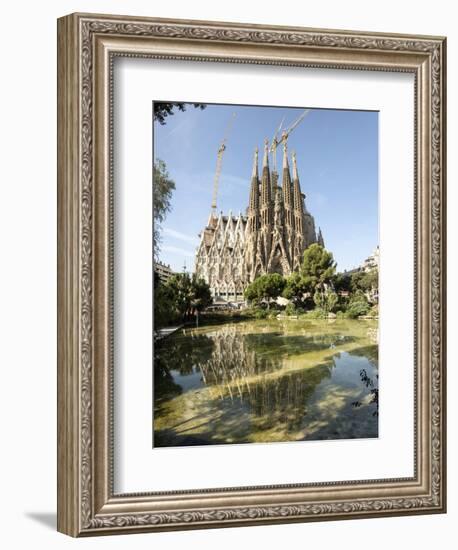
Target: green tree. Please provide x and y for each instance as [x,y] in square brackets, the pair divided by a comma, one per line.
[290,309]
[331,300]
[317,272]
[180,294]
[295,288]
[369,281]
[272,286]
[342,282]
[357,308]
[165,312]
[252,293]
[356,280]
[366,282]
[369,284]
[201,294]
[162,110]
[318,267]
[358,304]
[266,287]
[326,300]
[358,296]
[163,188]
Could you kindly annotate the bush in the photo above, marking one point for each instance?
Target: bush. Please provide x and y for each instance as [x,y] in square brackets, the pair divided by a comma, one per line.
[307,303]
[265,288]
[290,309]
[374,311]
[342,304]
[326,300]
[164,313]
[356,309]
[260,313]
[316,313]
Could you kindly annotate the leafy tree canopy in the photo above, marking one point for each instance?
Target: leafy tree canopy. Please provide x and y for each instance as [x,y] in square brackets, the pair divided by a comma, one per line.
[342,282]
[318,267]
[163,187]
[365,280]
[295,287]
[163,110]
[357,308]
[370,280]
[202,297]
[266,287]
[178,295]
[326,301]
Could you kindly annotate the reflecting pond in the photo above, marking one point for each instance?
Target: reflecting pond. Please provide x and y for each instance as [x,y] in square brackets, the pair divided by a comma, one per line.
[265,381]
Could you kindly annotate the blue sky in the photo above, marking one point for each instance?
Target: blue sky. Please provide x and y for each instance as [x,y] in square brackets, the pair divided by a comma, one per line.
[337,157]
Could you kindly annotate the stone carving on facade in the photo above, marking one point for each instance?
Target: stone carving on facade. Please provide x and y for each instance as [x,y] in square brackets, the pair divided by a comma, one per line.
[269,238]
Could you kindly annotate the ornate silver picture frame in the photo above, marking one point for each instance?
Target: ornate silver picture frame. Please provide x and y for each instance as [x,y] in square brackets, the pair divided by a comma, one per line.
[87,47]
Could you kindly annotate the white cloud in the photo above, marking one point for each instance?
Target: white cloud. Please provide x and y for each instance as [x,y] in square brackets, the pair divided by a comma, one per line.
[180,236]
[178,250]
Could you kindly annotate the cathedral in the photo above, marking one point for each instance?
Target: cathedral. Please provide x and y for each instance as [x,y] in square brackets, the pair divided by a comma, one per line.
[270,238]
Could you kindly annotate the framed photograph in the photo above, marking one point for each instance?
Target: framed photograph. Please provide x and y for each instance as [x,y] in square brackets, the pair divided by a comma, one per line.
[251,284]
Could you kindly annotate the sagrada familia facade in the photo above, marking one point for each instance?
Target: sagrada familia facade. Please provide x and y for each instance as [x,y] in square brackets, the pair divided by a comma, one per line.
[270,238]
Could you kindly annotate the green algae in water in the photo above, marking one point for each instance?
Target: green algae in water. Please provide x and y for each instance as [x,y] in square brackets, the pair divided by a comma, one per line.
[266,381]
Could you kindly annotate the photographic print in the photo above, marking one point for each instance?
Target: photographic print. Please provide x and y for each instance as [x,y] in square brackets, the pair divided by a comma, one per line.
[219,270]
[266,259]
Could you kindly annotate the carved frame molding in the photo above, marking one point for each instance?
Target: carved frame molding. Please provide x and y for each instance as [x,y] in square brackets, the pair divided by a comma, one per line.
[87,45]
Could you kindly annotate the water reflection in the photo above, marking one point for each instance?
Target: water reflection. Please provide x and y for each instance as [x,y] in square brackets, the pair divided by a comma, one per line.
[266,381]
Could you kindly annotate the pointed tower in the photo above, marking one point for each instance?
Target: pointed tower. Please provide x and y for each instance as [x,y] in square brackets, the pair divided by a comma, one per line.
[286,181]
[274,181]
[270,238]
[320,239]
[287,202]
[252,252]
[253,207]
[298,216]
[266,190]
[278,211]
[266,202]
[297,193]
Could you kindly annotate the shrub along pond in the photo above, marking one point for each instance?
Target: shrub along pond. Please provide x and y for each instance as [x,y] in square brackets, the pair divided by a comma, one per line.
[266,381]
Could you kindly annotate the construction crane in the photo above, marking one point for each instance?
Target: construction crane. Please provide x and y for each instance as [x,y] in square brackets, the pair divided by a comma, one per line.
[273,147]
[219,162]
[284,137]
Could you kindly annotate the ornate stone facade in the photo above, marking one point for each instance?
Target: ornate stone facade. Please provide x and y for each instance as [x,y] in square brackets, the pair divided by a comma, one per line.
[270,238]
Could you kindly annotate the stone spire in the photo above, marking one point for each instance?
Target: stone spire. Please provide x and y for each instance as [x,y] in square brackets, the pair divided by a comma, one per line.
[285,155]
[297,194]
[266,207]
[286,186]
[320,239]
[254,191]
[274,183]
[298,216]
[278,209]
[254,173]
[274,177]
[265,182]
[295,174]
[232,253]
